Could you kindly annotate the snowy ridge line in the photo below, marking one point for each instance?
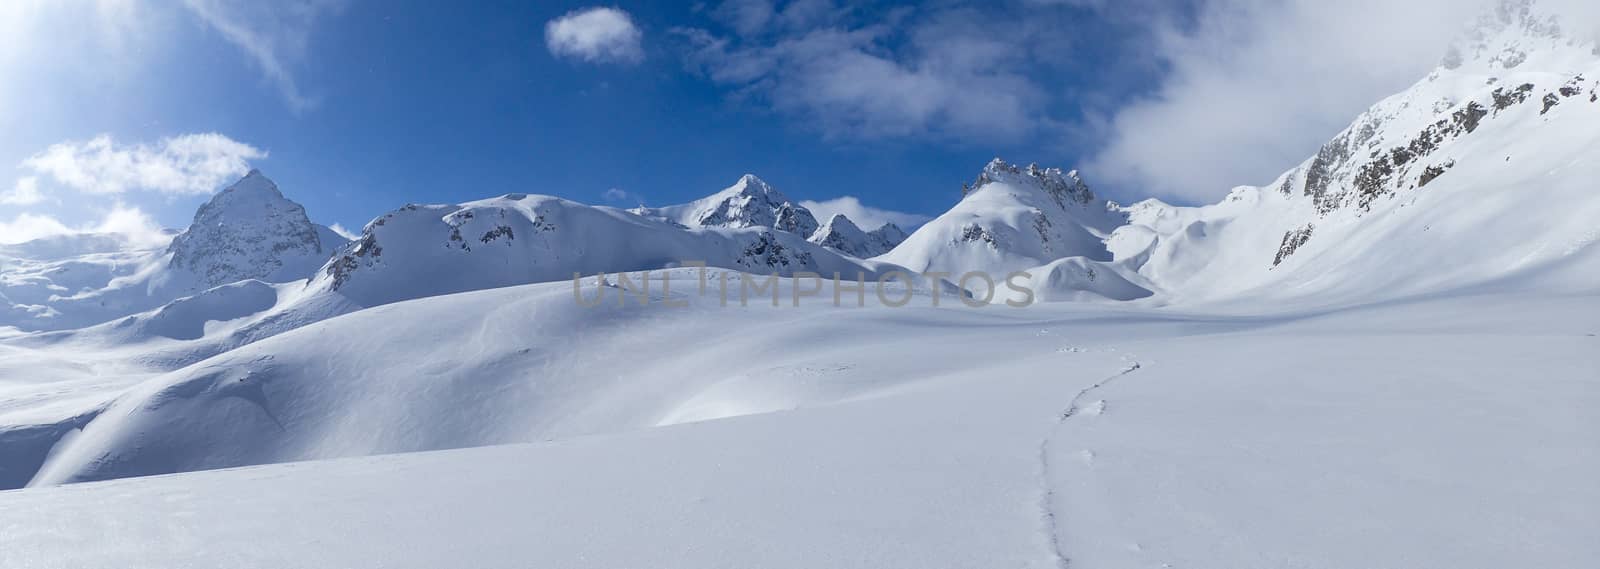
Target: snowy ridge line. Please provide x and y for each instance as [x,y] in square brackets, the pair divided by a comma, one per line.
[1047,494]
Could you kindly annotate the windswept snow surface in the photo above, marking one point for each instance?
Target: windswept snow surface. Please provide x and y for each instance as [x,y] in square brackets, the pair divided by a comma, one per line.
[1452,431]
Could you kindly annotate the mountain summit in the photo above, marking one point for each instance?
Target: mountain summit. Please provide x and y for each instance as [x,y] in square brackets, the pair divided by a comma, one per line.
[1012,218]
[843,235]
[749,202]
[250,231]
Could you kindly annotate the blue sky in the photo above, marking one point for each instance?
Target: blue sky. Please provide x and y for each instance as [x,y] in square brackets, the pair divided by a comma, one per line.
[140,108]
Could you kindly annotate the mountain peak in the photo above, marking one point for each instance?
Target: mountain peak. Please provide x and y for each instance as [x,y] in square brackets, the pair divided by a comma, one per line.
[840,221]
[749,202]
[252,182]
[753,186]
[843,235]
[247,231]
[1066,188]
[1511,34]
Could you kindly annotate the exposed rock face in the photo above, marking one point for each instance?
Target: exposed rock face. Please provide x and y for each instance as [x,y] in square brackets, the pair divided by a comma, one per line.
[1292,240]
[249,231]
[1065,188]
[1403,142]
[750,202]
[843,235]
[1506,118]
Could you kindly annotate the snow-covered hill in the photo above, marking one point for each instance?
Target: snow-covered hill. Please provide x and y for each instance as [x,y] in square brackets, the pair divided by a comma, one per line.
[485,367]
[749,202]
[1483,170]
[915,437]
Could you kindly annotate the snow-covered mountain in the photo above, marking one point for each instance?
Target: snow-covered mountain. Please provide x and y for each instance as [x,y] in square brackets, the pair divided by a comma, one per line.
[1481,171]
[749,202]
[1024,219]
[247,231]
[843,235]
[1010,219]
[250,231]
[419,251]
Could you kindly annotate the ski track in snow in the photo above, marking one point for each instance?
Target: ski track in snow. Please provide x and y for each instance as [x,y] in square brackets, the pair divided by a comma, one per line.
[1047,495]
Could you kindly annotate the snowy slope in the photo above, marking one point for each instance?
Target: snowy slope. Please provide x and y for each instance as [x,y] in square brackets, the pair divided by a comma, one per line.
[493,366]
[36,276]
[749,202]
[1087,435]
[844,236]
[1480,171]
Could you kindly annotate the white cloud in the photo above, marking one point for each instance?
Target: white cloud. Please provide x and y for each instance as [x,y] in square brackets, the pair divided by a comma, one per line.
[954,71]
[274,34]
[25,192]
[595,35]
[29,226]
[866,217]
[139,227]
[622,197]
[186,164]
[132,222]
[1256,86]
[345,233]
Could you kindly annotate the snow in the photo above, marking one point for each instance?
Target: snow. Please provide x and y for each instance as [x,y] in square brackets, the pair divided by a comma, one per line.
[246,231]
[1513,196]
[1310,440]
[843,235]
[1386,357]
[749,202]
[420,251]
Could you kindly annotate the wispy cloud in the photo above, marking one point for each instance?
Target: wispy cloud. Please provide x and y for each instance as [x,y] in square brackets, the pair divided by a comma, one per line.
[122,219]
[186,164]
[959,71]
[345,233]
[25,192]
[864,216]
[1255,86]
[622,197]
[595,35]
[274,34]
